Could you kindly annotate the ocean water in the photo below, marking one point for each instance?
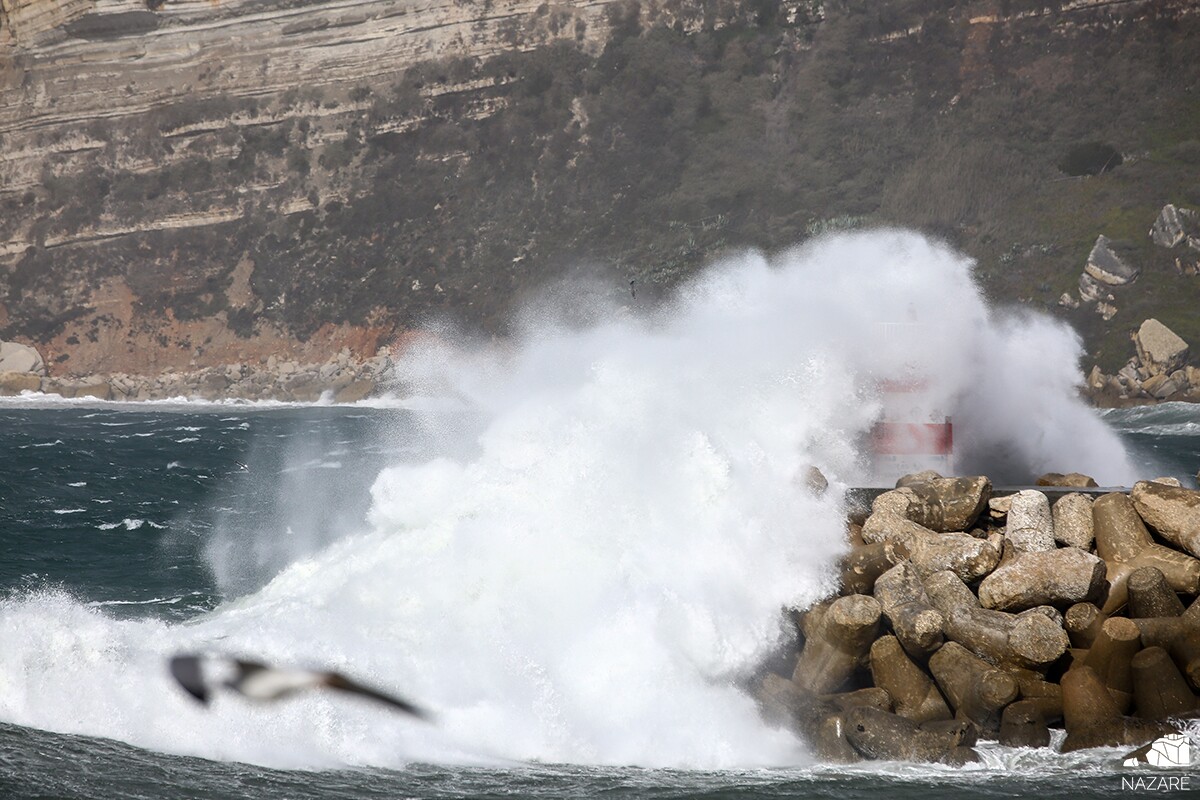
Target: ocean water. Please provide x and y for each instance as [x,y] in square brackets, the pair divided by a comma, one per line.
[571,548]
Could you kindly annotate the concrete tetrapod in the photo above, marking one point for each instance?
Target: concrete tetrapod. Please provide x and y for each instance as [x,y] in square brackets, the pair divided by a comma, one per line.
[1030,522]
[1110,656]
[930,552]
[838,642]
[947,504]
[976,689]
[1030,641]
[1172,511]
[882,736]
[1125,545]
[1072,515]
[1150,596]
[1179,636]
[1050,577]
[1093,720]
[914,693]
[1023,725]
[901,594]
[1083,622]
[812,719]
[1045,695]
[862,566]
[1159,691]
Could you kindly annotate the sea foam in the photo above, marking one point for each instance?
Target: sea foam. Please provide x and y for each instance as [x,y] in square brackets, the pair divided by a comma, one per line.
[597,550]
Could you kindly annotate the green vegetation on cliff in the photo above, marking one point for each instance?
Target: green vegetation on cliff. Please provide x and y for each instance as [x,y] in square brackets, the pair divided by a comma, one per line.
[669,147]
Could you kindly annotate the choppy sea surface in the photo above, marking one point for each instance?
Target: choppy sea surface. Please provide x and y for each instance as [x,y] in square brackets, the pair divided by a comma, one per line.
[159,518]
[571,546]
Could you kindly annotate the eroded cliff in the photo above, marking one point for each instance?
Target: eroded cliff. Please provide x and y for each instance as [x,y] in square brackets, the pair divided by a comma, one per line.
[188,183]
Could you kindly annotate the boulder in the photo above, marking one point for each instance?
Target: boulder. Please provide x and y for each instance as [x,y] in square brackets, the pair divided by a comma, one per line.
[354,391]
[94,387]
[1107,267]
[1160,387]
[1176,225]
[16,357]
[1091,290]
[1106,310]
[1067,300]
[1161,351]
[16,382]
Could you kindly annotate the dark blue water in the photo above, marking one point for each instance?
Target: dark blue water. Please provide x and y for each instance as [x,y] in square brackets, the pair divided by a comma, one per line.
[131,510]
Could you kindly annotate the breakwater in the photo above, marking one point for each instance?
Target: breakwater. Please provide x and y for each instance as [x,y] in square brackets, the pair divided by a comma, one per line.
[966,613]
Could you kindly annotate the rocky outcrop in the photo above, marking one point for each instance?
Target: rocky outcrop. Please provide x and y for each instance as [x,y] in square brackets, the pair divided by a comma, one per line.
[16,357]
[1175,226]
[1178,229]
[1105,266]
[1159,349]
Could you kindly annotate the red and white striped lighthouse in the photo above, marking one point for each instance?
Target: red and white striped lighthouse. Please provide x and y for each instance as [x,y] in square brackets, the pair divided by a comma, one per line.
[912,434]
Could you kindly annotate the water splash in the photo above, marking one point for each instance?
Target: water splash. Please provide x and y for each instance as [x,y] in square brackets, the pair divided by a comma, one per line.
[600,544]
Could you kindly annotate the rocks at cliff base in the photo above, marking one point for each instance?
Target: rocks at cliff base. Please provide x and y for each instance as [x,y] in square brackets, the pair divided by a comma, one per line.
[1105,266]
[341,380]
[1160,350]
[16,357]
[938,658]
[12,383]
[1175,226]
[1157,371]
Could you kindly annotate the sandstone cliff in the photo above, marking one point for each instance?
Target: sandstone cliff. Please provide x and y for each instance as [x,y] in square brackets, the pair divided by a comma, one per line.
[190,183]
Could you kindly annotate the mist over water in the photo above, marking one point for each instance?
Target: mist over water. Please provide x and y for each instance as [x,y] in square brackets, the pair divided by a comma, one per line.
[612,516]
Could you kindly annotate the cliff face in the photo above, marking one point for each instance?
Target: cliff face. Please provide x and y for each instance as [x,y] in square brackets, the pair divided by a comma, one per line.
[191,182]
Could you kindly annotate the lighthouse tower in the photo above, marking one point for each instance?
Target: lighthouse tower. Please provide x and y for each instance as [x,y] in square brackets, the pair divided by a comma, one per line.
[912,433]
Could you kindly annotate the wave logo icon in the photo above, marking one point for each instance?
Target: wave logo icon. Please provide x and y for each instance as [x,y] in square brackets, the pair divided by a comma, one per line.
[1172,750]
